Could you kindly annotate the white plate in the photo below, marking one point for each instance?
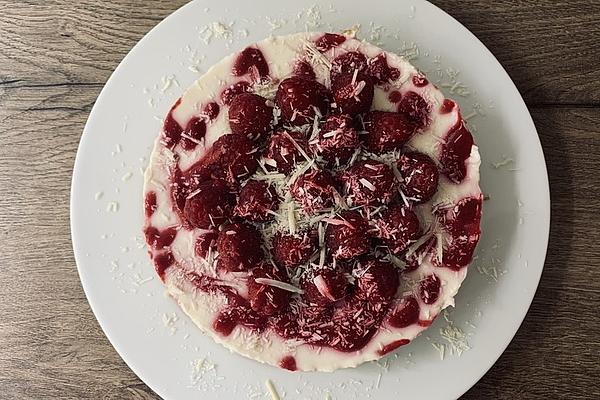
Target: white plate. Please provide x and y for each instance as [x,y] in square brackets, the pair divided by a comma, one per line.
[162,346]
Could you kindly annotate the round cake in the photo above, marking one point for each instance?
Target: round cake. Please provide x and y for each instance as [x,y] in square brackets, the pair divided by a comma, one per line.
[313,202]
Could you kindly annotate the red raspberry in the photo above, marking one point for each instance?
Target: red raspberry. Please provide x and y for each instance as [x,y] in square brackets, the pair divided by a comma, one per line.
[314,190]
[251,61]
[239,247]
[250,115]
[209,205]
[194,132]
[337,140]
[157,239]
[304,70]
[211,111]
[354,324]
[283,153]
[420,176]
[300,99]
[415,258]
[204,242]
[387,131]
[311,323]
[293,250]
[231,158]
[369,182]
[459,253]
[398,227]
[463,218]
[405,314]
[329,41]
[232,91]
[429,289]
[456,149]
[347,63]
[267,299]
[258,201]
[416,109]
[325,286]
[346,235]
[379,70]
[378,280]
[353,94]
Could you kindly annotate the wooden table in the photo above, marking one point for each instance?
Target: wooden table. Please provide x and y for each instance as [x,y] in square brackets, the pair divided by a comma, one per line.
[55,56]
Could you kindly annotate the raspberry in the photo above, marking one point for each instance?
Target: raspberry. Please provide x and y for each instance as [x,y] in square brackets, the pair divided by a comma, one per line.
[249,115]
[194,132]
[416,109]
[211,111]
[304,70]
[314,190]
[204,242]
[429,289]
[398,227]
[405,314]
[378,280]
[282,152]
[369,182]
[415,259]
[325,286]
[337,140]
[346,235]
[379,70]
[250,61]
[355,323]
[210,204]
[353,94]
[329,41]
[231,158]
[257,202]
[463,218]
[267,299]
[239,247]
[347,63]
[232,91]
[420,176]
[456,149]
[293,250]
[387,131]
[300,99]
[459,253]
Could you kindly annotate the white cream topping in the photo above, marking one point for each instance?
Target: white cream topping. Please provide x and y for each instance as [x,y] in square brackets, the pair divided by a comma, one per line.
[281,53]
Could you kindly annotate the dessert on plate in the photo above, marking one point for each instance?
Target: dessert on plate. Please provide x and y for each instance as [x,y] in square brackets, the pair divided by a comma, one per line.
[313,202]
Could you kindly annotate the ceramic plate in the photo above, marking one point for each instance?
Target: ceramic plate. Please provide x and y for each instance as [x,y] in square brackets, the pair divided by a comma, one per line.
[158,341]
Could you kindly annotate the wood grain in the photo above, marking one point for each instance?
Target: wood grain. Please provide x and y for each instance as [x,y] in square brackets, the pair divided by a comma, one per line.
[56,55]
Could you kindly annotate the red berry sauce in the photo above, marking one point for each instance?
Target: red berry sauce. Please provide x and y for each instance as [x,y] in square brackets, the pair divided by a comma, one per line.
[251,61]
[289,363]
[329,41]
[388,348]
[150,204]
